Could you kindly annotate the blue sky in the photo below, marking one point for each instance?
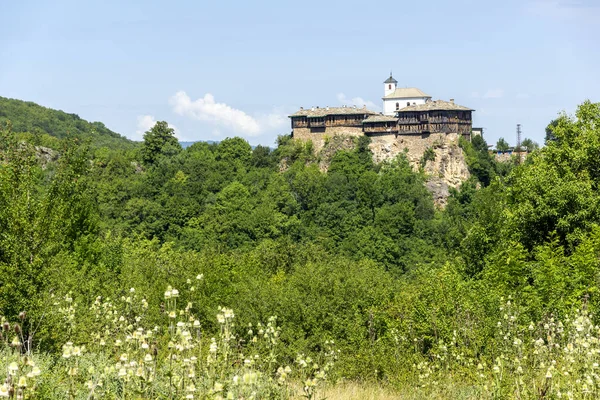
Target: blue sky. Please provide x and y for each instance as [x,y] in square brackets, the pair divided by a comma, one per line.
[214,69]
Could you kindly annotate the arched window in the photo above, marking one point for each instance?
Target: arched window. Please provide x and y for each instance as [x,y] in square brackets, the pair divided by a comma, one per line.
[397,106]
[408,103]
[390,86]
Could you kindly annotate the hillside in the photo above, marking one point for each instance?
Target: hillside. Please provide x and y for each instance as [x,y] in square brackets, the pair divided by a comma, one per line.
[29,117]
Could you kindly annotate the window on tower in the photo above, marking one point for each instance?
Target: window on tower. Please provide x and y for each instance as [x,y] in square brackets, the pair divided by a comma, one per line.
[397,106]
[408,103]
[390,86]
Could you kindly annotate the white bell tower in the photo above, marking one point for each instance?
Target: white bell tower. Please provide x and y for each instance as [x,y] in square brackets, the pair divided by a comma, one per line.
[389,85]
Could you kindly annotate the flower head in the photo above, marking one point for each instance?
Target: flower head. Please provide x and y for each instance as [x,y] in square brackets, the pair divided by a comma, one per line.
[13,368]
[22,382]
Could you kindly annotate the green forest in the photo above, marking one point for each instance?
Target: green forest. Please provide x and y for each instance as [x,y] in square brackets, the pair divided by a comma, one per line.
[135,270]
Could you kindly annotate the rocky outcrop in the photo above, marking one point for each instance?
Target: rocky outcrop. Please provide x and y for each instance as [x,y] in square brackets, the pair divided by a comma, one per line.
[449,165]
[333,145]
[438,154]
[439,190]
[447,170]
[45,155]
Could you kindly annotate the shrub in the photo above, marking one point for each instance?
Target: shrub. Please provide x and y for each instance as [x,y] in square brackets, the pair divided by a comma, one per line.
[125,358]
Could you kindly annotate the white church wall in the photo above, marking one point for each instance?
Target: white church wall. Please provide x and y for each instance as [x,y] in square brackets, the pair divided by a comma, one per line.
[389,105]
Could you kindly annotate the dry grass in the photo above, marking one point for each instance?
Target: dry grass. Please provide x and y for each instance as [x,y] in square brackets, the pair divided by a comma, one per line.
[373,391]
[358,391]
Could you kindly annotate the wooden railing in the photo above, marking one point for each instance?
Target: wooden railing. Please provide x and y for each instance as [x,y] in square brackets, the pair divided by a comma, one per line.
[380,129]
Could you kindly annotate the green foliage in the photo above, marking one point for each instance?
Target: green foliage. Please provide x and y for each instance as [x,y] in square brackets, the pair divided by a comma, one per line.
[125,358]
[233,151]
[550,136]
[356,253]
[550,358]
[159,141]
[42,213]
[290,150]
[428,155]
[502,145]
[557,190]
[42,126]
[262,157]
[529,145]
[479,160]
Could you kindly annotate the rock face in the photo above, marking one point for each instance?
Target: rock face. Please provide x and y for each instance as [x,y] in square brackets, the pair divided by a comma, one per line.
[439,190]
[449,165]
[448,170]
[444,162]
[45,155]
[438,154]
[331,146]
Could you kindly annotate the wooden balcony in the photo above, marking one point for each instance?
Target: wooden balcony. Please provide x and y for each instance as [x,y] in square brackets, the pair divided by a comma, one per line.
[300,124]
[410,129]
[316,124]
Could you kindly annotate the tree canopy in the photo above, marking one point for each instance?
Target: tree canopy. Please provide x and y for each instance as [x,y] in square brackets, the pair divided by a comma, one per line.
[502,145]
[41,125]
[159,141]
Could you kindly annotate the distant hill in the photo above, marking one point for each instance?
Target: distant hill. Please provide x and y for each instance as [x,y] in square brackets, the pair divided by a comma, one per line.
[27,116]
[185,145]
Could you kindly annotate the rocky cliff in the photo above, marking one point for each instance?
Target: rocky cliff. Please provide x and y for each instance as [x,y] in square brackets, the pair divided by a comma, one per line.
[438,154]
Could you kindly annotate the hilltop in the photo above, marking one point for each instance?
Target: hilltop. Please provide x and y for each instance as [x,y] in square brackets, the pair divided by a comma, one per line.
[43,124]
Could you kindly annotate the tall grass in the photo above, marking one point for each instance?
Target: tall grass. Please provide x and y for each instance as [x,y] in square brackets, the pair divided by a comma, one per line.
[123,358]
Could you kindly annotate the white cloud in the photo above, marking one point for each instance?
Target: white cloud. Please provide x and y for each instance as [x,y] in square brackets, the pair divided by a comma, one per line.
[357,101]
[274,120]
[225,116]
[146,122]
[475,95]
[493,94]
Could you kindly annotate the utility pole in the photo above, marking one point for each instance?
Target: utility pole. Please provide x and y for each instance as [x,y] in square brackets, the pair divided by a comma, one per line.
[518,149]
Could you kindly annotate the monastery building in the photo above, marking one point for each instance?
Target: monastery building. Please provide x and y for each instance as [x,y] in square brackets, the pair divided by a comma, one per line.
[406,111]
